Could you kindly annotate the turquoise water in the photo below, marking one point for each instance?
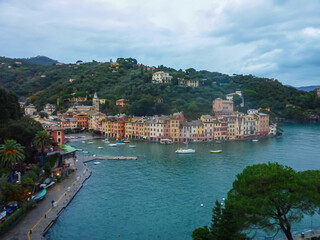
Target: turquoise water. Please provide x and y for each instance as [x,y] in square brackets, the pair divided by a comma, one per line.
[159,196]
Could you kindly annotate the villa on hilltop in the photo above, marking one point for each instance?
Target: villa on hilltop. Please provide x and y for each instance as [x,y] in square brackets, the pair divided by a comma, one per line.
[161,77]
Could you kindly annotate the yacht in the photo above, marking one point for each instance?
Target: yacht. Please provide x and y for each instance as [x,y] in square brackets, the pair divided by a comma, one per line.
[185,150]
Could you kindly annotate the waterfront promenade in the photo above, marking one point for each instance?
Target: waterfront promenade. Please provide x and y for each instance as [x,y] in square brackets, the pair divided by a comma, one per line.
[39,219]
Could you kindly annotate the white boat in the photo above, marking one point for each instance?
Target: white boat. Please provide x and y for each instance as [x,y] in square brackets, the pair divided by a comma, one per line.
[166,141]
[215,151]
[126,141]
[83,141]
[132,146]
[100,147]
[120,143]
[185,150]
[106,141]
[255,140]
[85,151]
[90,142]
[185,142]
[96,163]
[113,145]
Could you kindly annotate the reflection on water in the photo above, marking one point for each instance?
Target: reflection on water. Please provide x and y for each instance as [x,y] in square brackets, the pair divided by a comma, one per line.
[160,195]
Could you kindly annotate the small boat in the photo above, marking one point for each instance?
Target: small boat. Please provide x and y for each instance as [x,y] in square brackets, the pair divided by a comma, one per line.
[113,145]
[120,143]
[125,141]
[48,182]
[99,147]
[83,141]
[166,141]
[40,196]
[218,142]
[255,140]
[96,163]
[106,141]
[90,142]
[132,146]
[185,142]
[79,149]
[85,151]
[215,151]
[185,150]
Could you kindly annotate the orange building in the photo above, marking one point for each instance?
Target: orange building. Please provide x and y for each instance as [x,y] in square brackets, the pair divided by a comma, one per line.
[82,121]
[122,102]
[116,125]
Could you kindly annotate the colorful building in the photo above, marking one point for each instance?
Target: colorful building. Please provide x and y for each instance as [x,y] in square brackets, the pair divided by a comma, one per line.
[188,82]
[222,107]
[161,77]
[57,134]
[122,102]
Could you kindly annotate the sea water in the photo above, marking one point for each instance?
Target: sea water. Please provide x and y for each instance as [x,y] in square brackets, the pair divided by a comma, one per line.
[164,195]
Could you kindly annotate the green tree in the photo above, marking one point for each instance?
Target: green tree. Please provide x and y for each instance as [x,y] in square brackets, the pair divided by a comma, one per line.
[201,234]
[44,115]
[271,196]
[42,140]
[11,153]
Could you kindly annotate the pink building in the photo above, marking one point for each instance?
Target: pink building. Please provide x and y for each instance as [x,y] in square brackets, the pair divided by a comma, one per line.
[222,107]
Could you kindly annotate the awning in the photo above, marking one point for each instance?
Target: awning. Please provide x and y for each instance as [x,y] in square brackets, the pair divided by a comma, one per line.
[67,149]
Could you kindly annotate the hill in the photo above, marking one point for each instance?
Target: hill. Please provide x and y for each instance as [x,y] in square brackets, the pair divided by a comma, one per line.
[132,81]
[41,60]
[308,88]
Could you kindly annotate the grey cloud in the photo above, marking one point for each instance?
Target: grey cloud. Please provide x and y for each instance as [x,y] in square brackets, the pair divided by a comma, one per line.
[276,39]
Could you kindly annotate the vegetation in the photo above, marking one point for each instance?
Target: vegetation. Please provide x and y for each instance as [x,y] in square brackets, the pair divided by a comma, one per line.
[42,140]
[270,197]
[11,153]
[50,84]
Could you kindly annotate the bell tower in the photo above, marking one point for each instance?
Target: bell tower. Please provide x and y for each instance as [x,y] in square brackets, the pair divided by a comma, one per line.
[95,103]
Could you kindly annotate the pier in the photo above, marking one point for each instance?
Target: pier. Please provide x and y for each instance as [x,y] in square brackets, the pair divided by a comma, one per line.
[93,158]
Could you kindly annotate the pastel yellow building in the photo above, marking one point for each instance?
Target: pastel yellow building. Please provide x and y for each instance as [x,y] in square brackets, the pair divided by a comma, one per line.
[161,77]
[188,82]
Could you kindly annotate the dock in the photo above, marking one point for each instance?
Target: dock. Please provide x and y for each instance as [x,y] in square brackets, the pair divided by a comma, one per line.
[93,158]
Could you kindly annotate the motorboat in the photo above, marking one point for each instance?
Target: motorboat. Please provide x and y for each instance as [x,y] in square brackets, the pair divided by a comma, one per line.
[215,151]
[96,163]
[106,141]
[83,141]
[85,151]
[40,196]
[120,143]
[166,141]
[48,182]
[99,147]
[125,141]
[218,142]
[185,150]
[132,146]
[185,142]
[113,144]
[255,140]
[90,142]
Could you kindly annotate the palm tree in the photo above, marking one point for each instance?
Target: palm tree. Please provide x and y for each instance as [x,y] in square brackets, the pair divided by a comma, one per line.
[11,153]
[42,140]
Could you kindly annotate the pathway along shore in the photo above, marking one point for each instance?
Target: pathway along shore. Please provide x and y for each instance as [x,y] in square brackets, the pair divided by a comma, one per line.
[39,220]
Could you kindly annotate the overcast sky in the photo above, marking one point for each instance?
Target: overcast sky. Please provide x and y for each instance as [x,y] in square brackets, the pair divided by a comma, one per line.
[277,39]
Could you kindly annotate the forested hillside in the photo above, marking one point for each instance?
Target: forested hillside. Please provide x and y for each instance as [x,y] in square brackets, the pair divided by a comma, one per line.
[47,84]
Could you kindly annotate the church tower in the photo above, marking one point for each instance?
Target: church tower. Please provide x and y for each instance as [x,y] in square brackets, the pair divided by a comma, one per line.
[95,103]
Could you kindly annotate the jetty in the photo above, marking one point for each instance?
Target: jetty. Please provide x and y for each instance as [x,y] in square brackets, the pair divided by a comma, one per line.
[93,158]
